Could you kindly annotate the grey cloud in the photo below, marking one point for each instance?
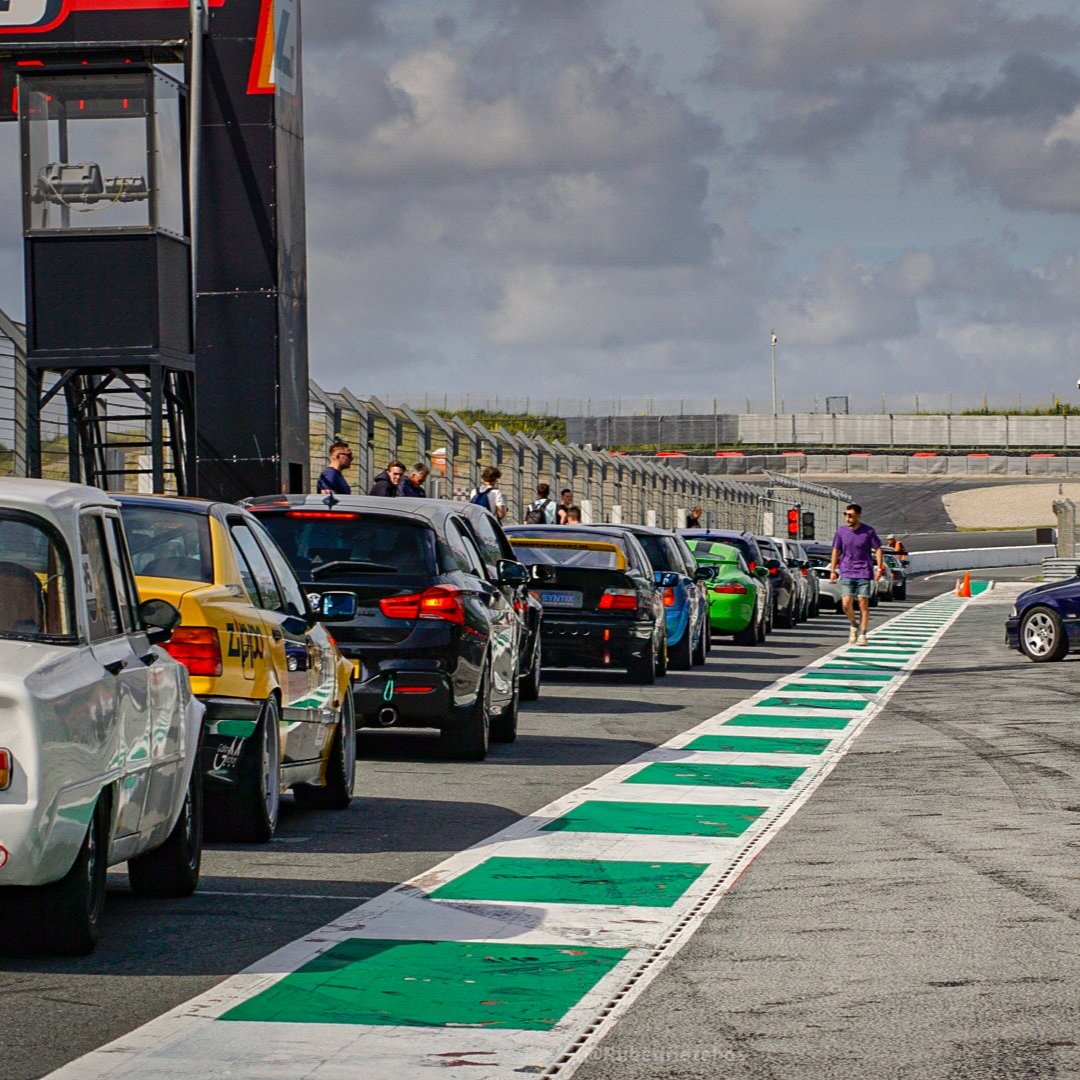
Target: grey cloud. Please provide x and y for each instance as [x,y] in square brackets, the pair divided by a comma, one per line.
[796,43]
[335,22]
[815,124]
[1030,85]
[1019,139]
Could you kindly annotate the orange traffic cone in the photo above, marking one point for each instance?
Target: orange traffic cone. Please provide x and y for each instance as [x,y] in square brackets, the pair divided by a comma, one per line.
[963,586]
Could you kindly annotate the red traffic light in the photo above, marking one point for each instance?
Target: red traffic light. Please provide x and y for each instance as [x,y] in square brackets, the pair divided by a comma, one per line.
[793,523]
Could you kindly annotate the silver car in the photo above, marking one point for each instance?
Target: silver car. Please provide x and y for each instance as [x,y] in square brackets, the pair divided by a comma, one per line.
[99,732]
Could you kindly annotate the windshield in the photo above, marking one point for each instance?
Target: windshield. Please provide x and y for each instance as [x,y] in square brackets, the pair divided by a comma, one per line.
[660,558]
[169,543]
[35,579]
[713,551]
[581,558]
[344,543]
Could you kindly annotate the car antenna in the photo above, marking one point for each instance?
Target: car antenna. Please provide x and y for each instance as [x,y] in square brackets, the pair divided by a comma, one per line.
[330,502]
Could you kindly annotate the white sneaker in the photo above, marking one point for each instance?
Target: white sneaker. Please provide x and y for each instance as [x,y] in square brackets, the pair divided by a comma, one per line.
[862,640]
[852,635]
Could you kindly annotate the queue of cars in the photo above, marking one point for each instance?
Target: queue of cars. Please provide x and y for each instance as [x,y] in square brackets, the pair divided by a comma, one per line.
[170,666]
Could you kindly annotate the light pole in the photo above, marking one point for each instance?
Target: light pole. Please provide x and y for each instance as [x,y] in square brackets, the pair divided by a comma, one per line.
[775,339]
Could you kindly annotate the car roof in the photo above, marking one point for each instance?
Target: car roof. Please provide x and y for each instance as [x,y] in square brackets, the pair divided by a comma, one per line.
[170,502]
[640,530]
[424,510]
[715,534]
[56,495]
[554,531]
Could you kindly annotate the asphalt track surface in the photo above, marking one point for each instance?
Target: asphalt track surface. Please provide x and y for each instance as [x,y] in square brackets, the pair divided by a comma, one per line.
[918,917]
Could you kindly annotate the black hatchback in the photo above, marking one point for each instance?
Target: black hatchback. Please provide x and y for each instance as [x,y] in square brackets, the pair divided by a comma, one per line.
[435,642]
[603,607]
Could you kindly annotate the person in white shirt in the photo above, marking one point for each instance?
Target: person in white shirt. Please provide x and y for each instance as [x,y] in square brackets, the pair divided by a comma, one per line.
[488,494]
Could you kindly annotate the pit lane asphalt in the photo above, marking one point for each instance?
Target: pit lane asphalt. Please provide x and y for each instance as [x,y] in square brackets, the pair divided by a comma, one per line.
[414,809]
[919,916]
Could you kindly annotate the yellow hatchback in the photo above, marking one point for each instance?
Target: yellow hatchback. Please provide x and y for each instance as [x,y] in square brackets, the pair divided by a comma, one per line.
[279,707]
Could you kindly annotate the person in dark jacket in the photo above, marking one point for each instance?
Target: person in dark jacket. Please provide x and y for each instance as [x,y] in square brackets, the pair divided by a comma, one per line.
[386,483]
[332,480]
[412,485]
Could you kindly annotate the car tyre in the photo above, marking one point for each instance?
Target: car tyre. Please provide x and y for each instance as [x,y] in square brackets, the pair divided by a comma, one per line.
[251,813]
[470,734]
[1042,635]
[337,792]
[680,655]
[642,669]
[530,683]
[747,636]
[697,657]
[663,658]
[787,618]
[172,869]
[65,916]
[504,726]
[901,592]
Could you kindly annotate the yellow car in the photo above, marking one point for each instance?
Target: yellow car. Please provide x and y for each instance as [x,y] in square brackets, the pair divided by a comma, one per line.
[279,707]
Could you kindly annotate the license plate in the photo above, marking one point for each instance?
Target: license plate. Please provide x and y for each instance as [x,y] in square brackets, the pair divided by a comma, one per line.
[556,598]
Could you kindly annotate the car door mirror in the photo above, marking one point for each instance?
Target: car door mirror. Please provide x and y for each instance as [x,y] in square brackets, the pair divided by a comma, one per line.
[761,572]
[541,573]
[705,573]
[772,565]
[160,619]
[512,573]
[336,607]
[667,579]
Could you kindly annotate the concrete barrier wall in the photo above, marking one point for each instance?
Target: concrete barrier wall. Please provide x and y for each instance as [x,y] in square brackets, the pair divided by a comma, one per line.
[923,562]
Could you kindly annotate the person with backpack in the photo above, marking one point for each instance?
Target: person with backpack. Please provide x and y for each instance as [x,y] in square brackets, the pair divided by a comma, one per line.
[488,494]
[542,510]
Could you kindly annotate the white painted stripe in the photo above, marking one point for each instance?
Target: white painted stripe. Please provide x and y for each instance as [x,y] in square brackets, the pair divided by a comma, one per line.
[187,1042]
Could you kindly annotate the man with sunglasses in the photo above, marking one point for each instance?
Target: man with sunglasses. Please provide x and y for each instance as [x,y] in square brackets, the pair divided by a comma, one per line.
[332,480]
[857,560]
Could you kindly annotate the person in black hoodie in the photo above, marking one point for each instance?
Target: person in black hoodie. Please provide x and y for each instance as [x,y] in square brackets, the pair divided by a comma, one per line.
[386,483]
[412,485]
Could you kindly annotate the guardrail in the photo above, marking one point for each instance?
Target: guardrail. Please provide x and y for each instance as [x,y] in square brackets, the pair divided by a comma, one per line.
[924,562]
[607,487]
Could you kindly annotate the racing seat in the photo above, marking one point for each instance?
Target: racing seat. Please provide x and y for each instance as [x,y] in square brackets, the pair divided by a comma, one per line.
[22,603]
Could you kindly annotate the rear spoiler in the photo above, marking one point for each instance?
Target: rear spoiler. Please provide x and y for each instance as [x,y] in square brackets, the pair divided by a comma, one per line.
[575,545]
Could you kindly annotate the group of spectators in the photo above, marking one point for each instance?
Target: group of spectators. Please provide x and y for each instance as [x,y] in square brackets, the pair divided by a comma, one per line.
[396,481]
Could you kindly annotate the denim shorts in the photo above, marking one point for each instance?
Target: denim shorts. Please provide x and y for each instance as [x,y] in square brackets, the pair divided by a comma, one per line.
[850,586]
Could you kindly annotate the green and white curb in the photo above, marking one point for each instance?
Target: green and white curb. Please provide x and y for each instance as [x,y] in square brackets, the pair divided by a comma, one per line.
[515,956]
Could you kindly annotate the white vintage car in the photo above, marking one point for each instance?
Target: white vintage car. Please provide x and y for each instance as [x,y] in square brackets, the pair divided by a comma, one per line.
[99,731]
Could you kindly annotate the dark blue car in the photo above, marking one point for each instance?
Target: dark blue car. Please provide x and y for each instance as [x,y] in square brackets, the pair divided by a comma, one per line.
[1045,623]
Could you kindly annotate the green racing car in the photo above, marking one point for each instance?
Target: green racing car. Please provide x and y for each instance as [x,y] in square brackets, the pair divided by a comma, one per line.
[738,597]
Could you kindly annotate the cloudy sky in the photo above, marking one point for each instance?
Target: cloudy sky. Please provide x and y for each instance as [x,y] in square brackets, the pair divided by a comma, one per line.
[623,197]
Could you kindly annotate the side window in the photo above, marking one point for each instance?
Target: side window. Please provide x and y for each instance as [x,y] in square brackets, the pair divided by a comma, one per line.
[126,593]
[491,548]
[265,592]
[458,556]
[675,557]
[103,616]
[290,587]
[465,547]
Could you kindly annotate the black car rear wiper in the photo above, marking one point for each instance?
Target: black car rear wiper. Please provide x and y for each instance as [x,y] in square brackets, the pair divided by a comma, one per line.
[350,566]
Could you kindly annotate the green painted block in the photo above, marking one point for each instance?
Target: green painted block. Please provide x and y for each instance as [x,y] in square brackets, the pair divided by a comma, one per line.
[877,645]
[830,688]
[433,984]
[836,671]
[573,881]
[699,774]
[757,744]
[812,703]
[776,720]
[656,819]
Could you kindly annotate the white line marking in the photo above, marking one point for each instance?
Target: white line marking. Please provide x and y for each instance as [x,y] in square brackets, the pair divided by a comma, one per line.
[188,1042]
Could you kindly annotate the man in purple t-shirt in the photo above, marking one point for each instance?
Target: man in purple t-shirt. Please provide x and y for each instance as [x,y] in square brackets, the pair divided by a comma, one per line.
[856,560]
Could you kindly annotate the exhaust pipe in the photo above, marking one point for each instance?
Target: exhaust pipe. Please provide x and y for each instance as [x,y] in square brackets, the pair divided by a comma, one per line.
[387,716]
